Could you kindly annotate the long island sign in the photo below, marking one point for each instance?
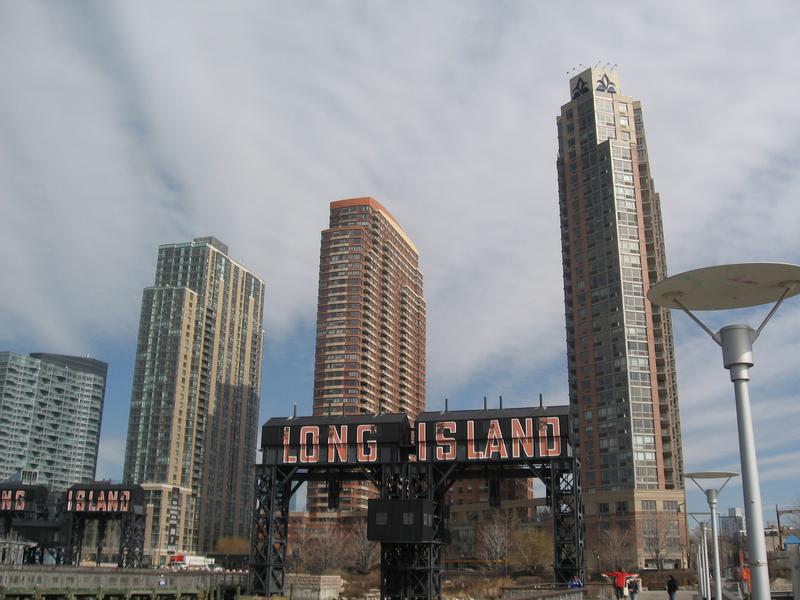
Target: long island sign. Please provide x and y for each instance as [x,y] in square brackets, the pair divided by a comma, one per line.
[473,436]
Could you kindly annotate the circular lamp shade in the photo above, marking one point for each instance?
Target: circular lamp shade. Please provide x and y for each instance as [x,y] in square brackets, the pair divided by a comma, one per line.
[727,286]
[711,475]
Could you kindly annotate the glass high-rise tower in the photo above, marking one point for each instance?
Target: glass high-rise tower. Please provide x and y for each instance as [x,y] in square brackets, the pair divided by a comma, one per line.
[51,407]
[194,403]
[370,353]
[621,360]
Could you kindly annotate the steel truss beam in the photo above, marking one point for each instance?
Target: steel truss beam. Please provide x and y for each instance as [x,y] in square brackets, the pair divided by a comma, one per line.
[410,571]
[76,531]
[413,570]
[270,530]
[562,483]
[131,540]
[131,543]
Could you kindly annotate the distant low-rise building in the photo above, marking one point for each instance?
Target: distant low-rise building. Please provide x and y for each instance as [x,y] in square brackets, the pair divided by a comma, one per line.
[732,524]
[51,407]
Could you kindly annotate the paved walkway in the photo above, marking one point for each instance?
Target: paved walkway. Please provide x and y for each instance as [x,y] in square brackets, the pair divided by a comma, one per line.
[690,594]
[662,595]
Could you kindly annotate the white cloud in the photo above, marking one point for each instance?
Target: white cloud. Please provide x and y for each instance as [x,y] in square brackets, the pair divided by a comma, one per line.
[131,124]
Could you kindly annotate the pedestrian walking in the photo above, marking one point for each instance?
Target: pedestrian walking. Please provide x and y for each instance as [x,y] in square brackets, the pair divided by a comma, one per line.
[672,587]
[633,587]
[620,578]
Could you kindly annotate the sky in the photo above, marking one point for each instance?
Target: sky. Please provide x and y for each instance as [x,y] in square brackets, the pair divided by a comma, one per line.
[127,125]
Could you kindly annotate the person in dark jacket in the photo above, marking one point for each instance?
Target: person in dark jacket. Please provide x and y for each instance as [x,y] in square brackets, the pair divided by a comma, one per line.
[672,587]
[633,587]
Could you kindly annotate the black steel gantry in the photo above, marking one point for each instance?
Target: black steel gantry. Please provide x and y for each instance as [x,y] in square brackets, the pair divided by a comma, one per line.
[412,470]
[55,523]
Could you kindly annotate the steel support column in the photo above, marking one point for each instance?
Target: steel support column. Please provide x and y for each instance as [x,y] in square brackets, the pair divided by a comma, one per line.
[564,493]
[78,526]
[270,531]
[131,543]
[412,571]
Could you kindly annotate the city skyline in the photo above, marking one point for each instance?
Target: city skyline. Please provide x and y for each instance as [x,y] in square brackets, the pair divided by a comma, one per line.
[445,114]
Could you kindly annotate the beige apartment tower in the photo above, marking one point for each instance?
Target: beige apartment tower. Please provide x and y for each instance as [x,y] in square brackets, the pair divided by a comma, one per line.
[194,403]
[620,354]
[370,353]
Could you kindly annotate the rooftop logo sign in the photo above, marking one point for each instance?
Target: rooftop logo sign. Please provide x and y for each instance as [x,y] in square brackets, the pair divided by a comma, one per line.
[604,84]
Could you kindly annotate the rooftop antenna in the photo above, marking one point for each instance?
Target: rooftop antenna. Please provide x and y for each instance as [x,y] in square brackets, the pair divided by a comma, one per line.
[294,411]
[541,405]
[501,403]
[445,405]
[484,403]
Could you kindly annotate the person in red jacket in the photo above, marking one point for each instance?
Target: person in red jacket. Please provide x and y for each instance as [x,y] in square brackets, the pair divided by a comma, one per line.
[620,577]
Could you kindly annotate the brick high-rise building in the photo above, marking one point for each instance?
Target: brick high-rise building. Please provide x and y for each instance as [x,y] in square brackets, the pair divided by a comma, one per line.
[194,404]
[51,407]
[622,384]
[370,355]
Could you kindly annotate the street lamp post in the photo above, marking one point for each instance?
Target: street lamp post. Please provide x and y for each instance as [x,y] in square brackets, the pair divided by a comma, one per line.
[706,591]
[711,496]
[703,579]
[728,287]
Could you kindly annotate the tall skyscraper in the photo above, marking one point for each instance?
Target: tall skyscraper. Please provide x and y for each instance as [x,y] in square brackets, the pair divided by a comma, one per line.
[51,407]
[620,354]
[194,404]
[370,354]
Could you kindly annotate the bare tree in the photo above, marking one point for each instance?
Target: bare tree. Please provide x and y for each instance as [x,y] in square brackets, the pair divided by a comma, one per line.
[494,537]
[618,542]
[365,553]
[531,548]
[659,538]
[297,550]
[325,549]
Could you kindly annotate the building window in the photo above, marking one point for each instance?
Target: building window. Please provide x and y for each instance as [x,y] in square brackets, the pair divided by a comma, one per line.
[602,508]
[649,505]
[623,108]
[622,506]
[670,505]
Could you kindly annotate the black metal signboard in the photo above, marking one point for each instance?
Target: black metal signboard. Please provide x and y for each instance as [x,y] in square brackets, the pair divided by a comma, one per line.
[319,441]
[473,436]
[19,498]
[491,436]
[103,498]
